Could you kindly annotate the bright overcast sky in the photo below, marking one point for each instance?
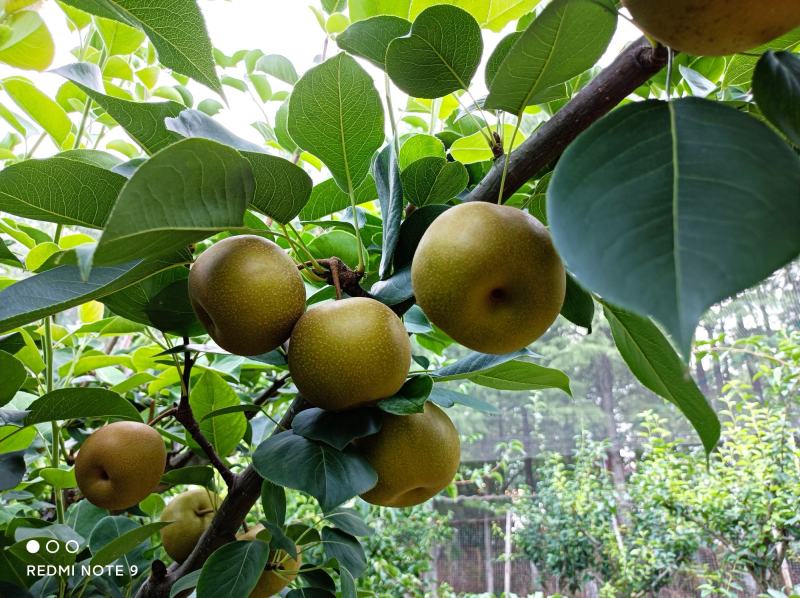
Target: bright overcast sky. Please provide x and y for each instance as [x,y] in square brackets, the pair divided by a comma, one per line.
[285,27]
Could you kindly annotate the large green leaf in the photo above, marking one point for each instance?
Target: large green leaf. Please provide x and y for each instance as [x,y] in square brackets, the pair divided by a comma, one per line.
[411,232]
[281,187]
[119,38]
[337,428]
[386,171]
[143,121]
[740,68]
[411,398]
[472,364]
[63,287]
[233,570]
[364,9]
[336,114]
[40,108]
[278,66]
[211,393]
[176,29]
[346,549]
[708,210]
[126,543]
[30,45]
[327,198]
[329,475]
[565,40]
[522,375]
[439,56]
[434,180]
[14,376]
[370,38]
[75,403]
[653,361]
[776,86]
[493,14]
[61,190]
[185,193]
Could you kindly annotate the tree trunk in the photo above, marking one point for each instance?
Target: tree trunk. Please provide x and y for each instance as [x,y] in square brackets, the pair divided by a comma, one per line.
[488,565]
[605,386]
[528,444]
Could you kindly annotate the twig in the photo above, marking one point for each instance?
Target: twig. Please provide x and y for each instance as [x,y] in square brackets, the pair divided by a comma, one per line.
[269,393]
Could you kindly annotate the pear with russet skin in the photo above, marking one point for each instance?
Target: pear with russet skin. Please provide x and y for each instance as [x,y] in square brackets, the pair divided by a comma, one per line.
[280,571]
[191,513]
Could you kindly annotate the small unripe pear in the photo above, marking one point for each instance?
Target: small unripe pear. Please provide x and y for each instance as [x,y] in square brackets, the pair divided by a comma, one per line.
[120,464]
[349,352]
[714,27]
[281,568]
[248,294]
[415,456]
[489,276]
[191,513]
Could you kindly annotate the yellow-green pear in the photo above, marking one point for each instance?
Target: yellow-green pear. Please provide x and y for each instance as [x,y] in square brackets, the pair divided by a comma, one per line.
[489,276]
[714,27]
[415,456]
[247,293]
[120,464]
[280,571]
[349,352]
[191,513]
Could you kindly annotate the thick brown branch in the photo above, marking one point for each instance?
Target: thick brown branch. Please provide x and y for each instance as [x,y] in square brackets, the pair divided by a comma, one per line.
[629,71]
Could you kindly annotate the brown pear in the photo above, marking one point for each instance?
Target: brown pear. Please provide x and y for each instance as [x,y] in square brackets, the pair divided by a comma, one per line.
[280,571]
[191,513]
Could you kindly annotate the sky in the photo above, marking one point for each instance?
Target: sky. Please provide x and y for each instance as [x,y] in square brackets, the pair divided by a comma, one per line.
[286,27]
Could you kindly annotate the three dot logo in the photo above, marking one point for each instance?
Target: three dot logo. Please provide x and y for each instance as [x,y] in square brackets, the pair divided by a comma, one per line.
[52,546]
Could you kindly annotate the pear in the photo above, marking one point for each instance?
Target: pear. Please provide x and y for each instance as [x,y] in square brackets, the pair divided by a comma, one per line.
[191,513]
[281,568]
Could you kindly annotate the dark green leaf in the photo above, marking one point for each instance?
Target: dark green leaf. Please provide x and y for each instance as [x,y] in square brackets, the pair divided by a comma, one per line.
[776,86]
[346,549]
[348,520]
[522,375]
[445,397]
[370,38]
[338,429]
[185,49]
[187,582]
[708,210]
[233,570]
[13,376]
[474,363]
[499,55]
[434,180]
[395,289]
[7,257]
[562,42]
[273,501]
[336,114]
[386,172]
[329,475]
[653,361]
[411,232]
[195,475]
[279,540]
[439,56]
[12,469]
[310,593]
[75,403]
[327,198]
[578,305]
[185,193]
[411,398]
[126,543]
[59,189]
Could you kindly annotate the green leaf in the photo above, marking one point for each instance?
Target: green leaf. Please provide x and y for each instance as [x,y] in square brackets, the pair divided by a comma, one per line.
[411,232]
[339,243]
[30,45]
[411,398]
[211,393]
[61,190]
[194,475]
[12,469]
[740,68]
[185,49]
[578,305]
[776,86]
[336,114]
[76,403]
[187,582]
[143,121]
[118,38]
[64,287]
[126,543]
[474,148]
[329,475]
[395,289]
[108,530]
[364,9]
[185,193]
[434,180]
[39,107]
[14,376]
[346,549]
[327,198]
[709,210]
[281,188]
[386,172]
[446,398]
[494,15]
[233,569]
[417,147]
[338,429]
[7,257]
[568,37]
[278,66]
[499,55]
[655,364]
[348,520]
[273,501]
[474,363]
[522,375]
[371,37]
[439,56]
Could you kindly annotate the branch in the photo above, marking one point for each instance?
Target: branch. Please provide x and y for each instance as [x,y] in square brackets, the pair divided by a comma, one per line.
[265,396]
[629,71]
[244,493]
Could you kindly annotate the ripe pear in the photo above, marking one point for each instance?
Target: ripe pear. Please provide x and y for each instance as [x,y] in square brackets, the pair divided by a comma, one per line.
[248,294]
[120,464]
[489,276]
[349,352]
[714,27]
[191,513]
[416,457]
[281,568]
